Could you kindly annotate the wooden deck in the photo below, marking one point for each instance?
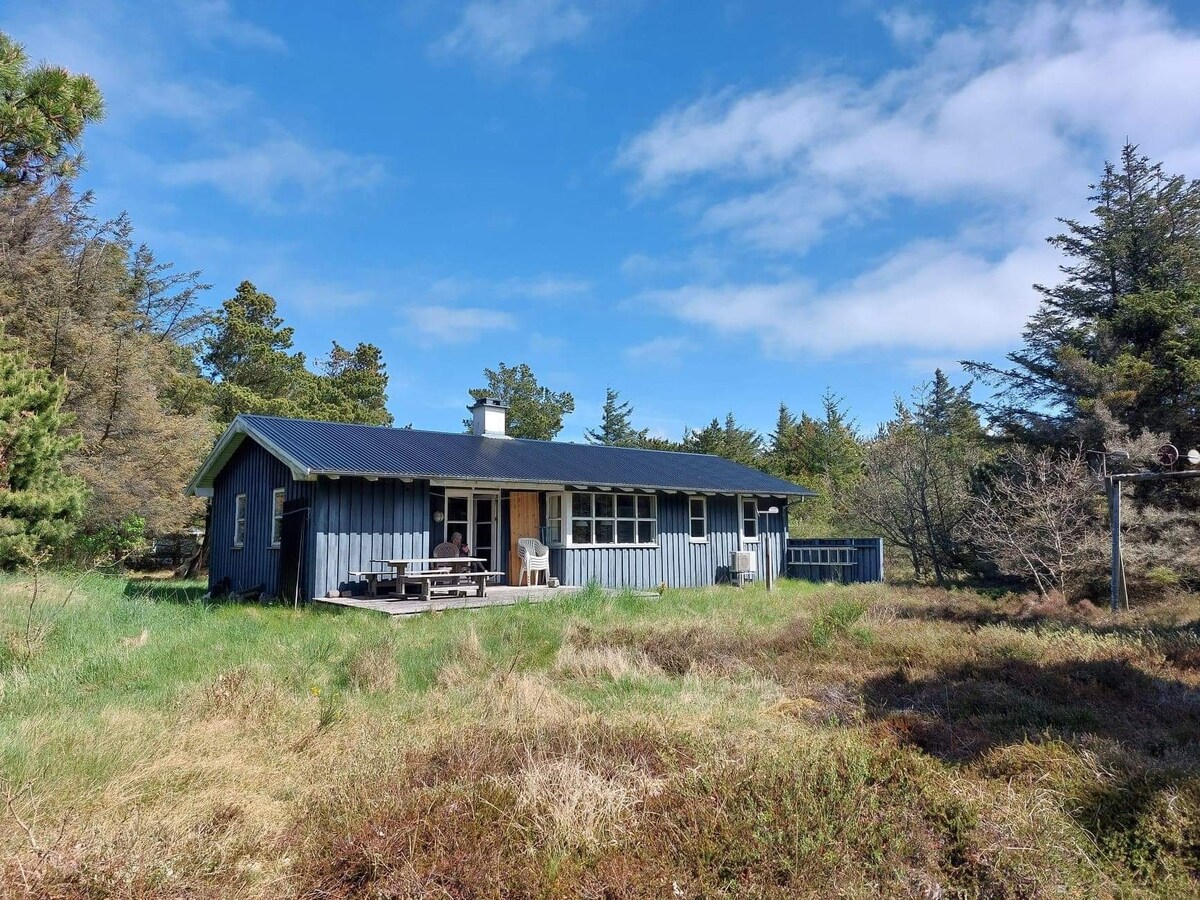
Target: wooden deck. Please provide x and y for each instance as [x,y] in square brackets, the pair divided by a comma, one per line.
[497,595]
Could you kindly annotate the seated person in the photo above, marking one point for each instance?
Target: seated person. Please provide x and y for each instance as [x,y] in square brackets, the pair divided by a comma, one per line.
[463,550]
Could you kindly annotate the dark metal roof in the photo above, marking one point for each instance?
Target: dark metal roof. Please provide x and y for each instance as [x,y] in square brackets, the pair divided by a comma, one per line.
[328,448]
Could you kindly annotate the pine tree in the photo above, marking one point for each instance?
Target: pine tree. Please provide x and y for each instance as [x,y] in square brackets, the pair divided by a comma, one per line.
[247,356]
[824,454]
[730,440]
[79,299]
[534,411]
[1131,275]
[43,111]
[616,428]
[354,385]
[39,502]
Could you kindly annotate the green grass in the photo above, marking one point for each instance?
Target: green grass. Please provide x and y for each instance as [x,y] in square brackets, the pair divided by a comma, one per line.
[714,742]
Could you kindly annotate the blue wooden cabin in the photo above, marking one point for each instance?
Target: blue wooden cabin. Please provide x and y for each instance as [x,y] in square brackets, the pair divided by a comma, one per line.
[298,505]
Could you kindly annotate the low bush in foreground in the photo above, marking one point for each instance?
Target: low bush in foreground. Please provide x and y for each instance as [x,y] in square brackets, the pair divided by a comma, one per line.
[865,741]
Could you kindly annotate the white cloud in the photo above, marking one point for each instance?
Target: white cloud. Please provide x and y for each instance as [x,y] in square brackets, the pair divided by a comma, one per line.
[215,20]
[504,32]
[996,114]
[455,324]
[930,296]
[141,59]
[907,26]
[545,286]
[130,61]
[988,133]
[264,174]
[663,352]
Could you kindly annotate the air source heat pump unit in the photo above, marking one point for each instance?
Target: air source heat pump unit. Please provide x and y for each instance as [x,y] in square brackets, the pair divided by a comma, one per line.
[742,561]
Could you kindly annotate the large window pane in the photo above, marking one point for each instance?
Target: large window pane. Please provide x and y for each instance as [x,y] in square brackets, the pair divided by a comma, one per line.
[697,504]
[645,507]
[456,509]
[581,506]
[626,531]
[698,528]
[581,531]
[604,506]
[645,532]
[604,531]
[625,507]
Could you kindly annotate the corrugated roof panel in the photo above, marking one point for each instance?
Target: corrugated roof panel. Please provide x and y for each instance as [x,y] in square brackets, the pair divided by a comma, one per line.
[329,447]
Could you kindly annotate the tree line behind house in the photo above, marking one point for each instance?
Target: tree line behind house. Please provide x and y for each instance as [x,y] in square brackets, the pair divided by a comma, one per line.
[116,377]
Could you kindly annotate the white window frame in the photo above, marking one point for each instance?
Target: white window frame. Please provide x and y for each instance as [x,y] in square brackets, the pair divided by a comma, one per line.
[693,518]
[569,519]
[748,539]
[240,504]
[277,517]
[554,523]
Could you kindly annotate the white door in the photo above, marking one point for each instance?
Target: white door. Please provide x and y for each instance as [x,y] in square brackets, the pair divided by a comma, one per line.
[476,516]
[485,529]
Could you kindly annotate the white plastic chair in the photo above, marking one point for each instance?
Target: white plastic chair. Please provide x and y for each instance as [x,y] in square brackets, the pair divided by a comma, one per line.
[535,557]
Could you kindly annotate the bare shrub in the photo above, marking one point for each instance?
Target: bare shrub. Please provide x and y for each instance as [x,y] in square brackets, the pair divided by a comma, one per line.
[1037,519]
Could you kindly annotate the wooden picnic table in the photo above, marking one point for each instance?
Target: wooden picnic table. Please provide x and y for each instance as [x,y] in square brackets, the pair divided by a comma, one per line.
[453,573]
[401,565]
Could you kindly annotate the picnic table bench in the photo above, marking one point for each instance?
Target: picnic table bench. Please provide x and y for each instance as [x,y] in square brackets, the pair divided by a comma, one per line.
[448,581]
[441,575]
[372,579]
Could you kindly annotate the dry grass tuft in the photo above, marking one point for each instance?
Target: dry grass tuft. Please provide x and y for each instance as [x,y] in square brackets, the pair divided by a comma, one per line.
[571,807]
[138,641]
[372,667]
[604,661]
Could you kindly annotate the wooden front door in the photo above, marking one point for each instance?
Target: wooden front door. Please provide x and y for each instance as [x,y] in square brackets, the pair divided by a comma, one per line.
[524,520]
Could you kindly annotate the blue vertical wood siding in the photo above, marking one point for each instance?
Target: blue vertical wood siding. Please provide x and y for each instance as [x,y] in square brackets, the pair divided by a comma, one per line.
[356,521]
[677,560]
[868,561]
[256,473]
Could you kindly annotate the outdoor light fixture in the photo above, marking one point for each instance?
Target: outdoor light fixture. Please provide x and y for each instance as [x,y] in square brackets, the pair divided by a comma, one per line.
[438,515]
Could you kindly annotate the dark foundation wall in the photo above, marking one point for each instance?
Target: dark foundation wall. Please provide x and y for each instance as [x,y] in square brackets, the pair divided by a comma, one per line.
[256,473]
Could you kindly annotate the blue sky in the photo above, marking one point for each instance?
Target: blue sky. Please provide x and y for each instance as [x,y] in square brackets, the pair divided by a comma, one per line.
[709,206]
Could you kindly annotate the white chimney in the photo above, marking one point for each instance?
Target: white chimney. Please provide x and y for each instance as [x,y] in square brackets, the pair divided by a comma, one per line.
[488,417]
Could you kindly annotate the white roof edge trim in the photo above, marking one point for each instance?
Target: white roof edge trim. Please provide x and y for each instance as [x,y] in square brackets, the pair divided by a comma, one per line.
[239,429]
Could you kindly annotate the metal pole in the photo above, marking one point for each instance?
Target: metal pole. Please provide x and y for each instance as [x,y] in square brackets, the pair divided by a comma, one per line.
[1118,596]
[770,568]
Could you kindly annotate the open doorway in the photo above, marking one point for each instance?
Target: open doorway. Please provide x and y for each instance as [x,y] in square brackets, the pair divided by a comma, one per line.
[476,516]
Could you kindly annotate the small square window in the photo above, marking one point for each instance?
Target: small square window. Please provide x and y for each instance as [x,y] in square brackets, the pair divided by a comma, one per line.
[626,508]
[645,507]
[604,531]
[581,531]
[604,506]
[626,531]
[646,532]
